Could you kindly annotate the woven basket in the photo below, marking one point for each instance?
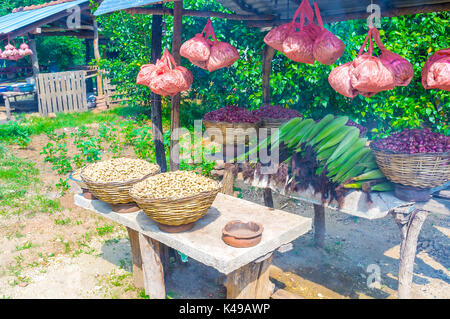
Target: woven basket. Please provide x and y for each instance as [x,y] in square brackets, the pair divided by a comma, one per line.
[238,129]
[176,212]
[422,170]
[114,192]
[273,123]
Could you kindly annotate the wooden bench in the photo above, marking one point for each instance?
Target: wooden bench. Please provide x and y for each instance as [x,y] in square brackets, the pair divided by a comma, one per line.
[246,268]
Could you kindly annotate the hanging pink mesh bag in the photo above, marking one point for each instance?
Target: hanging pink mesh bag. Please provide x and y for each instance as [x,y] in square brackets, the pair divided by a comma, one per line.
[197,48]
[327,47]
[298,45]
[401,68]
[145,74]
[222,55]
[171,79]
[370,75]
[340,80]
[436,71]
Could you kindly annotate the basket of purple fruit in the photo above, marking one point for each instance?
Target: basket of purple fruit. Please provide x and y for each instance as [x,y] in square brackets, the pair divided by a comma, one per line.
[273,116]
[416,158]
[234,120]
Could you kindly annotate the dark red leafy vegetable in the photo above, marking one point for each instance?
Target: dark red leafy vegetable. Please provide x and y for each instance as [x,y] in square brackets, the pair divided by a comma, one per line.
[276,112]
[412,141]
[232,114]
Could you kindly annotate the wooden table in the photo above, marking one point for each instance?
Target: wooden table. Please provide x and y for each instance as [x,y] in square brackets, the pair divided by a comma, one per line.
[7,96]
[409,216]
[246,268]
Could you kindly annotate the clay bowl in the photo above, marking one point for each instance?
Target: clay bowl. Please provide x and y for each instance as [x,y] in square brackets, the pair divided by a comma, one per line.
[242,235]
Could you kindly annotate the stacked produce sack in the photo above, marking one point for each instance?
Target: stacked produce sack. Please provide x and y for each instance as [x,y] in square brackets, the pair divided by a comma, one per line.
[165,77]
[209,54]
[436,71]
[368,74]
[310,43]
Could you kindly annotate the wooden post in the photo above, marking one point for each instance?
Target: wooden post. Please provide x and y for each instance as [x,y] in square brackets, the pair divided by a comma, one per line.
[175,114]
[251,281]
[319,226]
[410,225]
[7,107]
[138,275]
[267,56]
[90,81]
[34,57]
[97,58]
[152,268]
[157,128]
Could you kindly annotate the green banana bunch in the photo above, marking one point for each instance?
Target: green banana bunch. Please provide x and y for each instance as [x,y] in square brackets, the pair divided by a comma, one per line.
[340,153]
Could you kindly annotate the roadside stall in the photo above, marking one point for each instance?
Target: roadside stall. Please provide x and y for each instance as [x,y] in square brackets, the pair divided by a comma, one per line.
[327,163]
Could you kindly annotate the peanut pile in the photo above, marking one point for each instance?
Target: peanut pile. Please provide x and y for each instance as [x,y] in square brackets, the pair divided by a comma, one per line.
[178,184]
[119,170]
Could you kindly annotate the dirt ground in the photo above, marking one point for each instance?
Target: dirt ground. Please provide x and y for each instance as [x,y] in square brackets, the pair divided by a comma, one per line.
[74,253]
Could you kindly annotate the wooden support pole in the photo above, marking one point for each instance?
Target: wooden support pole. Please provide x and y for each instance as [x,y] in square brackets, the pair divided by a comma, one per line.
[138,275]
[157,128]
[410,225]
[175,114]
[251,281]
[267,56]
[34,56]
[319,226]
[153,269]
[97,58]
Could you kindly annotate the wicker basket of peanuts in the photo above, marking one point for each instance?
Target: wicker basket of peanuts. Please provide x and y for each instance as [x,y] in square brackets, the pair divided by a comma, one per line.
[111,180]
[175,198]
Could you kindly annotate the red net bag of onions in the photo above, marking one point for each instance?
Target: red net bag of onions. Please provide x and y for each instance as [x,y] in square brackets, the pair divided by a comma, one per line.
[401,68]
[222,54]
[145,74]
[169,78]
[370,75]
[298,45]
[327,47]
[340,79]
[436,72]
[197,49]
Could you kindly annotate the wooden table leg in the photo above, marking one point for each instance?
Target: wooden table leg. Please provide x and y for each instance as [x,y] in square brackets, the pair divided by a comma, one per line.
[410,224]
[319,226]
[268,199]
[251,281]
[7,108]
[137,260]
[152,267]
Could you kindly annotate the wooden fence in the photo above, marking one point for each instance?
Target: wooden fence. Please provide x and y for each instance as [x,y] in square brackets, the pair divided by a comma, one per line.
[62,92]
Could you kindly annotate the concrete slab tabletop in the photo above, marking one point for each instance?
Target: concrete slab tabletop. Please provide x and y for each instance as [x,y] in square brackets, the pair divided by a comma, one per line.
[204,242]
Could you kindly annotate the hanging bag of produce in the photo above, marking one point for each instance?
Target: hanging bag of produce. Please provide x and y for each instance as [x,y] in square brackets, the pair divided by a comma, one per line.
[298,45]
[327,47]
[197,49]
[436,71]
[340,79]
[370,75]
[171,79]
[401,68]
[222,54]
[145,74]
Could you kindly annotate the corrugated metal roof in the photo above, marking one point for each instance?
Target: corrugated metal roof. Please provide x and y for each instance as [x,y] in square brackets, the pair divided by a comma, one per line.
[15,21]
[108,6]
